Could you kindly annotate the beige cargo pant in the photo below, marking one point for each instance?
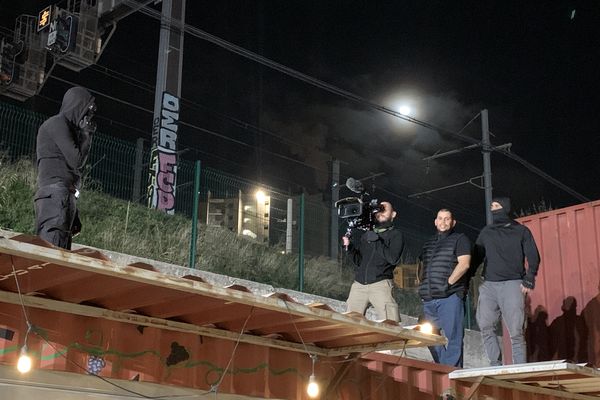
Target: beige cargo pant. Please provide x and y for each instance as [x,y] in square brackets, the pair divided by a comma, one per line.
[379,294]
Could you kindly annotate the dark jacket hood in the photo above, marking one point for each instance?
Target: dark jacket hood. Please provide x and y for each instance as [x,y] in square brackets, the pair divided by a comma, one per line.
[504,202]
[75,103]
[501,216]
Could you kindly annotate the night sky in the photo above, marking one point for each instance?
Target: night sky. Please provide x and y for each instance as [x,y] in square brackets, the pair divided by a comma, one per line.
[534,65]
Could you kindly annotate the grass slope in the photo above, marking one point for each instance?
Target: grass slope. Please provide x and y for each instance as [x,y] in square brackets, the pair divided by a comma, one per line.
[117,225]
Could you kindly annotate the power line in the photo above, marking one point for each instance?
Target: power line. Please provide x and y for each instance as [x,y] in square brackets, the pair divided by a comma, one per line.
[176,25]
[208,131]
[417,204]
[200,34]
[197,106]
[185,146]
[245,125]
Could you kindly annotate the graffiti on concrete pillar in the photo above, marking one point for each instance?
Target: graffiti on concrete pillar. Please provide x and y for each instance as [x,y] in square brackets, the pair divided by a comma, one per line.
[163,156]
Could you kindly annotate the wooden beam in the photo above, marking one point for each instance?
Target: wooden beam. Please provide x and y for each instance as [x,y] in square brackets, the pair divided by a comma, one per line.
[172,308]
[330,390]
[561,394]
[79,262]
[474,388]
[369,348]
[88,311]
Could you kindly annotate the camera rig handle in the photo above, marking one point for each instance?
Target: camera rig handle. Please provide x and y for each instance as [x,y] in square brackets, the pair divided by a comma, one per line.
[348,234]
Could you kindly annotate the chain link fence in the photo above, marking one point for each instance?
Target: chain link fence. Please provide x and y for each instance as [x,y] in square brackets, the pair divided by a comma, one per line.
[249,208]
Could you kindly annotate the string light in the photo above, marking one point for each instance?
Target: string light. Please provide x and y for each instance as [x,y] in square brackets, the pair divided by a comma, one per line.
[313,386]
[24,363]
[426,328]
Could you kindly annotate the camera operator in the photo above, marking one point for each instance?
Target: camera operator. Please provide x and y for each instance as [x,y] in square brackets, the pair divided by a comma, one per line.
[63,144]
[375,256]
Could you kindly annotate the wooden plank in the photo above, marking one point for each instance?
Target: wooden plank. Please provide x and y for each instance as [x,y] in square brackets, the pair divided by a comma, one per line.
[187,301]
[133,299]
[354,340]
[331,333]
[541,377]
[285,325]
[543,368]
[260,318]
[474,388]
[536,389]
[227,312]
[89,288]
[370,348]
[330,391]
[89,311]
[76,261]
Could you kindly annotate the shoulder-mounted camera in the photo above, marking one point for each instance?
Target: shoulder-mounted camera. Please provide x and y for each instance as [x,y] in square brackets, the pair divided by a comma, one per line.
[359,211]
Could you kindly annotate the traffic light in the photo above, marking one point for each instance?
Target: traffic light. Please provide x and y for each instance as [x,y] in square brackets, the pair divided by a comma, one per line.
[62,37]
[8,64]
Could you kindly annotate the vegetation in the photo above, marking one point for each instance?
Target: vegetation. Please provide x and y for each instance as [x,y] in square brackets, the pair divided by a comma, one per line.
[535,208]
[122,226]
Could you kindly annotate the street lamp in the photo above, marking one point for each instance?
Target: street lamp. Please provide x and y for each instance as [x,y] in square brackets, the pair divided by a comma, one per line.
[260,196]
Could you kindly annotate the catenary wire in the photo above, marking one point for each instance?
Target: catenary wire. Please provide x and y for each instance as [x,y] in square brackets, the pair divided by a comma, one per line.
[176,25]
[246,125]
[195,127]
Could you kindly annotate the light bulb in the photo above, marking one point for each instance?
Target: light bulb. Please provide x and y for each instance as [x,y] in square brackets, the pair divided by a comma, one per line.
[24,363]
[313,387]
[426,328]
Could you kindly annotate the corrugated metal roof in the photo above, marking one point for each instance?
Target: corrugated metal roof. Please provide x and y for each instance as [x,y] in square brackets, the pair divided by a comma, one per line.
[84,282]
[555,378]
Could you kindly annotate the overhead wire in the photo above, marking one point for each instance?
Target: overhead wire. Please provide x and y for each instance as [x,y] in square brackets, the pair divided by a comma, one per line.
[176,25]
[195,127]
[197,106]
[245,125]
[182,147]
[404,198]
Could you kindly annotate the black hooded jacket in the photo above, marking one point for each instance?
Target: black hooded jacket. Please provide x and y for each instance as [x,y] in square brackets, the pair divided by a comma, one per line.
[62,147]
[504,246]
[375,260]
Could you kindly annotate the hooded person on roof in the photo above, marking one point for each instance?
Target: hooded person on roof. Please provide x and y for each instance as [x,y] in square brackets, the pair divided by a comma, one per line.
[63,144]
[510,265]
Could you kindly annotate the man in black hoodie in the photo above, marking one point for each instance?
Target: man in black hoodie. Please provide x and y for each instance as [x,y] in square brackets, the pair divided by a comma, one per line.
[63,144]
[504,246]
[375,256]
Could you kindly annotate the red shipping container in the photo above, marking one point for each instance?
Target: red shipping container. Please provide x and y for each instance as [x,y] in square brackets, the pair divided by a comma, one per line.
[564,309]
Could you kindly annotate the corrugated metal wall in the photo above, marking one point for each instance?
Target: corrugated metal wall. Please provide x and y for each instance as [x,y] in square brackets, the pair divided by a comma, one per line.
[564,308]
[66,342]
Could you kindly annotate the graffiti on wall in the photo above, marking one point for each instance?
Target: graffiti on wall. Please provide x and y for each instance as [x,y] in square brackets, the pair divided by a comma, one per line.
[163,156]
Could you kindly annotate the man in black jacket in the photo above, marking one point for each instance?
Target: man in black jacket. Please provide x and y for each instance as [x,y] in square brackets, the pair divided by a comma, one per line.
[504,246]
[443,286]
[63,144]
[375,256]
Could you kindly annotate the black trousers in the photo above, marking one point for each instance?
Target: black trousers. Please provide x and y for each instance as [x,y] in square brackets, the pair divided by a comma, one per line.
[55,211]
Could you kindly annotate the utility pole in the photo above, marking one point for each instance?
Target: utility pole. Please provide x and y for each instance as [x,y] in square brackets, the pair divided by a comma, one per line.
[335,196]
[486,149]
[487,165]
[163,155]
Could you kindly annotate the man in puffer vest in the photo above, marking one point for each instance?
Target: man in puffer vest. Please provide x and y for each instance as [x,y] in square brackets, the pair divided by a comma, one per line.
[443,286]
